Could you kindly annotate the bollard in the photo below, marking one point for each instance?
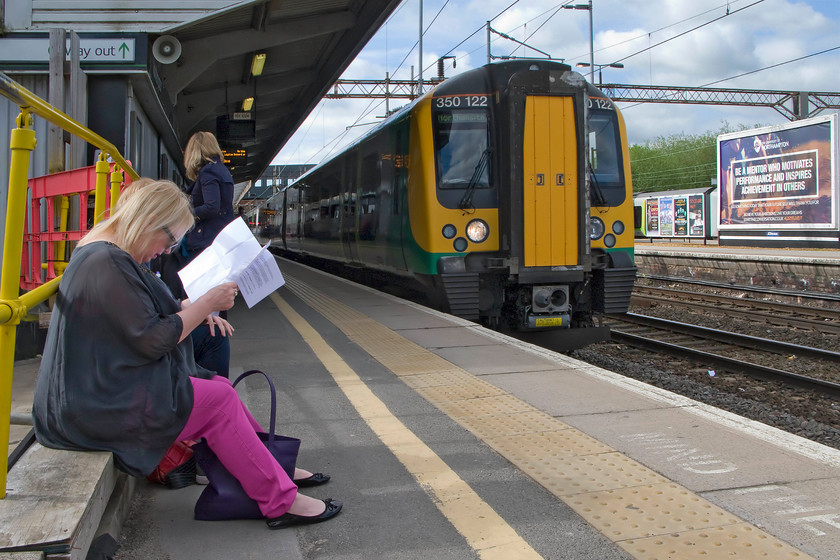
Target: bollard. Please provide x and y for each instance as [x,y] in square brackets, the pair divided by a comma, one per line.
[103,169]
[117,179]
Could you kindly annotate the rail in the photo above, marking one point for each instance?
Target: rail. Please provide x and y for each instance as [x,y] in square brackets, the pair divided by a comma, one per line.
[14,305]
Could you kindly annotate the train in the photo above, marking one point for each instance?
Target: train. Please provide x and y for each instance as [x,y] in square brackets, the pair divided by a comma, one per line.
[504,193]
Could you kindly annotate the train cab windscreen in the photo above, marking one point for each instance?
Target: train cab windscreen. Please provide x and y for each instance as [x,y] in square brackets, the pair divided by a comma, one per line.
[461,149]
[607,175]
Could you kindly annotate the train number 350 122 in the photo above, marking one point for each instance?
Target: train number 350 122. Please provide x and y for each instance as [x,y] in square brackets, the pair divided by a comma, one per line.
[461,101]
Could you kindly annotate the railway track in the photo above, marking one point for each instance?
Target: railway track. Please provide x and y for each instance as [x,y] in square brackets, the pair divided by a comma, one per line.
[721,348]
[772,312]
[764,290]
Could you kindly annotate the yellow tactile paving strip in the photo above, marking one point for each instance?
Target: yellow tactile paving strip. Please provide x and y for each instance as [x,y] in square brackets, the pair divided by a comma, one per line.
[644,513]
[482,528]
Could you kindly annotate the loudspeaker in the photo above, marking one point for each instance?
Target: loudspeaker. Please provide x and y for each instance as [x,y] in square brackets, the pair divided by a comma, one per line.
[166,49]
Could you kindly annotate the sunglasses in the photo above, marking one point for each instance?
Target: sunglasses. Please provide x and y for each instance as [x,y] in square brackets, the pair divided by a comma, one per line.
[175,242]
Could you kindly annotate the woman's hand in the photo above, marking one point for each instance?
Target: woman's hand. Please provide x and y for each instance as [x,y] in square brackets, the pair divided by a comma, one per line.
[225,328]
[220,297]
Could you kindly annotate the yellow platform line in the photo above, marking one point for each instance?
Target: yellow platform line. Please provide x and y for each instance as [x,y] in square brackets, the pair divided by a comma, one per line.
[644,513]
[483,529]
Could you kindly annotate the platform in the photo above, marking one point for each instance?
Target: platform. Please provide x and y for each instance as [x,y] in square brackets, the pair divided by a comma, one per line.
[446,440]
[806,270]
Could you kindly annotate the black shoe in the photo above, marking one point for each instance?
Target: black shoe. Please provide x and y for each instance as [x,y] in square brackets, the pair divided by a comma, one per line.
[287,519]
[181,476]
[315,479]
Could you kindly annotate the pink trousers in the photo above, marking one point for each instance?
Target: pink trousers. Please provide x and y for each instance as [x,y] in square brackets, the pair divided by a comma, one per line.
[220,417]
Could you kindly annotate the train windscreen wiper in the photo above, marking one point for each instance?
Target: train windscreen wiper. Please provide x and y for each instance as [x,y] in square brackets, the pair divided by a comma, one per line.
[466,201]
[598,198]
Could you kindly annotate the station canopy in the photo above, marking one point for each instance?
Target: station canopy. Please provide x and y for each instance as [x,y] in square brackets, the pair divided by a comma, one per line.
[213,67]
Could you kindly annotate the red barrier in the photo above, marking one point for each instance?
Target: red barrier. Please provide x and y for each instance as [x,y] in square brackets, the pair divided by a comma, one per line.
[41,240]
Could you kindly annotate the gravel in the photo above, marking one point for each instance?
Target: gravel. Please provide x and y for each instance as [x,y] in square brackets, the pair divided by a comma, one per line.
[796,411]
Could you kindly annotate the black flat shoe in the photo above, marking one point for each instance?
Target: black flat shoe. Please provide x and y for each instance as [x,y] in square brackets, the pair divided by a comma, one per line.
[287,519]
[315,479]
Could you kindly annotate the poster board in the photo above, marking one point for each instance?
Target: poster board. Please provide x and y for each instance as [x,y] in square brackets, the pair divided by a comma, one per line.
[777,178]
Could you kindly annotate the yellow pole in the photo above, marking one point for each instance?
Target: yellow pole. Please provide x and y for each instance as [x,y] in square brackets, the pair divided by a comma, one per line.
[61,246]
[22,143]
[103,168]
[116,182]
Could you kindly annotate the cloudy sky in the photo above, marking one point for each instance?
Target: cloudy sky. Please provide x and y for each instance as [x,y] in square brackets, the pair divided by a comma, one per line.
[752,44]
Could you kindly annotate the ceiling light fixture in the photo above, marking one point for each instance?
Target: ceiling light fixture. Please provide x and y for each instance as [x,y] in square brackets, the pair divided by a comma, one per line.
[257,64]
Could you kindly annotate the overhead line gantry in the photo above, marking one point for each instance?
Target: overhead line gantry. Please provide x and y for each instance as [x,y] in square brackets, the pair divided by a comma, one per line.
[793,105]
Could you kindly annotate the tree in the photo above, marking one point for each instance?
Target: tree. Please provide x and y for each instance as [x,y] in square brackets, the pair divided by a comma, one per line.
[676,162]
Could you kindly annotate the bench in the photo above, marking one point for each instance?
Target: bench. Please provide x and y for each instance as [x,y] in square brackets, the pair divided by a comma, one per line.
[58,502]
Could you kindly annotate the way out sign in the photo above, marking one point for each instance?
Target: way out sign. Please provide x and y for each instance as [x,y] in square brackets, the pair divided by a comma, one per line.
[37,49]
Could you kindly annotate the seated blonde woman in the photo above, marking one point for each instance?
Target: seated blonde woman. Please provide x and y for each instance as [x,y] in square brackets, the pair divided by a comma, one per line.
[116,374]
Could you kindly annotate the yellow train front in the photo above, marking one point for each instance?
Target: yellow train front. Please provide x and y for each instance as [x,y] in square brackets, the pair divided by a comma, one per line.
[505,191]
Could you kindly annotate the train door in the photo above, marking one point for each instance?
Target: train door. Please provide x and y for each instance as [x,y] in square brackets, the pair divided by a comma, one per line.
[550,167]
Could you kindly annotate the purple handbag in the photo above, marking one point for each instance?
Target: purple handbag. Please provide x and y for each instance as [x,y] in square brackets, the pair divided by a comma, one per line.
[224,498]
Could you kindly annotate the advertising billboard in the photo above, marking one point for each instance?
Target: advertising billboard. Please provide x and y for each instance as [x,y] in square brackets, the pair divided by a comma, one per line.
[674,215]
[779,178]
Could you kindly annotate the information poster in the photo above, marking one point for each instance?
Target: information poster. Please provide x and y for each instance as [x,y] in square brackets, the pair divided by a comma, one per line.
[666,217]
[777,178]
[696,216]
[680,216]
[652,217]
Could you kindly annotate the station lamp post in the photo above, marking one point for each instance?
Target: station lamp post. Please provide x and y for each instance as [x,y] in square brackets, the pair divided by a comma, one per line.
[591,35]
[600,67]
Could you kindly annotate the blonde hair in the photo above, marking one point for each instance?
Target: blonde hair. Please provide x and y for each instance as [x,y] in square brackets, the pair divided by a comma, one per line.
[201,149]
[154,205]
[132,188]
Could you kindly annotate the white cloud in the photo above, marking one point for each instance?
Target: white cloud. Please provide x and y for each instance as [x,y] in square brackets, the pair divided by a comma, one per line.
[765,34]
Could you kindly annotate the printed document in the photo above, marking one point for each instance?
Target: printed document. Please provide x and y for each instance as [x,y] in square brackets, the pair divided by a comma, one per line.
[236,256]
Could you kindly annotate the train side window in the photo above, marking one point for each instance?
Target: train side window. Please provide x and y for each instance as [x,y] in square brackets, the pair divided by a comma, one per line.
[371,172]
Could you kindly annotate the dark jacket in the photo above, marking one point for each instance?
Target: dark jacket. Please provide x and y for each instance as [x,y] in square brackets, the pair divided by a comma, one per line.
[212,200]
[113,375]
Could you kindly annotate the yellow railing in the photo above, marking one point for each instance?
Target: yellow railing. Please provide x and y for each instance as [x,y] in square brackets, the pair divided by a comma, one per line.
[13,305]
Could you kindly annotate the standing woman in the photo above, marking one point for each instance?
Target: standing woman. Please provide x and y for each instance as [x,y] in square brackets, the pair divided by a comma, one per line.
[211,192]
[117,368]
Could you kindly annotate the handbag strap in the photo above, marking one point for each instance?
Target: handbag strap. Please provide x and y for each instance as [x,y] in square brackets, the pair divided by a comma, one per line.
[273,398]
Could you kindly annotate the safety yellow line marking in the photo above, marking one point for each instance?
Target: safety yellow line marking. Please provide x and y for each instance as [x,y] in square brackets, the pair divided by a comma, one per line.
[599,483]
[484,530]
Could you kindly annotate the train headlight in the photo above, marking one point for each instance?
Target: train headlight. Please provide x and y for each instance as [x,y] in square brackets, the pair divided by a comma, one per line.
[609,240]
[596,228]
[618,227]
[460,245]
[477,231]
[449,231]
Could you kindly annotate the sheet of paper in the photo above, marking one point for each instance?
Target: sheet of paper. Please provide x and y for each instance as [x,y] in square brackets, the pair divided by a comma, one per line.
[235,255]
[260,278]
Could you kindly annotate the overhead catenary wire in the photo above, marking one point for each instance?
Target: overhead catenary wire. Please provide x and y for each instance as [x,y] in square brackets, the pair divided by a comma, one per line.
[371,107]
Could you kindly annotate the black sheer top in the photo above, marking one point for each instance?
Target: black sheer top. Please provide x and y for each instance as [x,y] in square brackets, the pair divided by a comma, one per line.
[113,376]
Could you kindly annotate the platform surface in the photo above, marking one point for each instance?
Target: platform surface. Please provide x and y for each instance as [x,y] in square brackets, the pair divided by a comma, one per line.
[446,440]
